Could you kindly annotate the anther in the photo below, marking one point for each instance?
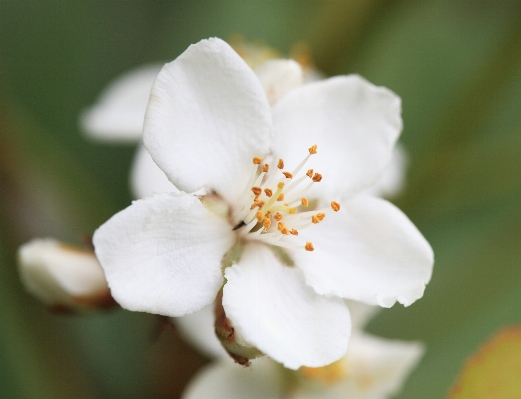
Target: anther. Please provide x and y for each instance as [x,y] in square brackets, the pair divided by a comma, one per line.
[288,175]
[309,246]
[266,223]
[284,231]
[313,149]
[309,173]
[280,197]
[315,219]
[305,202]
[321,216]
[269,193]
[260,216]
[317,177]
[335,206]
[256,190]
[280,164]
[280,226]
[294,232]
[292,210]
[277,217]
[257,160]
[265,168]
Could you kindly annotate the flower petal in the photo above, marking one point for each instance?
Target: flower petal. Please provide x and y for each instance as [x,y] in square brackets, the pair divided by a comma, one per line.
[379,366]
[354,124]
[207,118]
[226,380]
[271,307]
[120,109]
[146,178]
[278,77]
[199,330]
[163,254]
[361,313]
[392,181]
[369,251]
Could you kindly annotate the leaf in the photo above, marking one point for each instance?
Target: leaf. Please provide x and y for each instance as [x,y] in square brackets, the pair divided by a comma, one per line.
[494,370]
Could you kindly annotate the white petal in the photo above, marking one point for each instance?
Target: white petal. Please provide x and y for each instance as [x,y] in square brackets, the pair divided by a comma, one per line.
[369,251]
[226,380]
[207,118]
[272,309]
[199,330]
[361,313]
[120,109]
[163,254]
[379,366]
[146,178]
[354,124]
[278,77]
[56,273]
[392,181]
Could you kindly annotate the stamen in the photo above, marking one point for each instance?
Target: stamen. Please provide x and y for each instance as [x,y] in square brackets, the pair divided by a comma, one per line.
[257,160]
[260,216]
[266,223]
[280,197]
[280,226]
[288,175]
[284,231]
[277,217]
[280,185]
[292,210]
[313,149]
[317,177]
[294,232]
[265,168]
[269,193]
[256,190]
[280,164]
[305,202]
[315,219]
[309,173]
[335,206]
[309,246]
[321,216]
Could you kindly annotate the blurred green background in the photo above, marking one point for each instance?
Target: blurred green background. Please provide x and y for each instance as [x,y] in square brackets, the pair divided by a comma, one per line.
[456,66]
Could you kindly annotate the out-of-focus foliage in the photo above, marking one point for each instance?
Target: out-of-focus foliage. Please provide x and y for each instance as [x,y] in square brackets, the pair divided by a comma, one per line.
[457,67]
[492,372]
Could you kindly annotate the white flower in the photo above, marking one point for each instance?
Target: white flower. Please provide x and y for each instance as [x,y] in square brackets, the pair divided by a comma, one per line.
[207,119]
[373,368]
[62,276]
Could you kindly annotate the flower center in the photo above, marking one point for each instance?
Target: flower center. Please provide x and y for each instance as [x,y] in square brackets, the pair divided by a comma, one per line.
[327,375]
[273,205]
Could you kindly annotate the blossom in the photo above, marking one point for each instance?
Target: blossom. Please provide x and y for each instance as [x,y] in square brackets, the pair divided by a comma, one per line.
[287,242]
[63,277]
[373,368]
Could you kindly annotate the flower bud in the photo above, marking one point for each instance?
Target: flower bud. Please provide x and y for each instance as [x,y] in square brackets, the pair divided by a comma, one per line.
[62,276]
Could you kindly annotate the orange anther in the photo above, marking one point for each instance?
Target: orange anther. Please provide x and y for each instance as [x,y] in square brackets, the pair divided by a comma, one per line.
[309,246]
[317,177]
[277,217]
[315,219]
[288,175]
[280,164]
[321,216]
[305,201]
[280,226]
[266,223]
[335,206]
[285,231]
[256,190]
[265,168]
[292,210]
[313,149]
[309,173]
[257,160]
[280,197]
[268,192]
[260,216]
[294,232]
